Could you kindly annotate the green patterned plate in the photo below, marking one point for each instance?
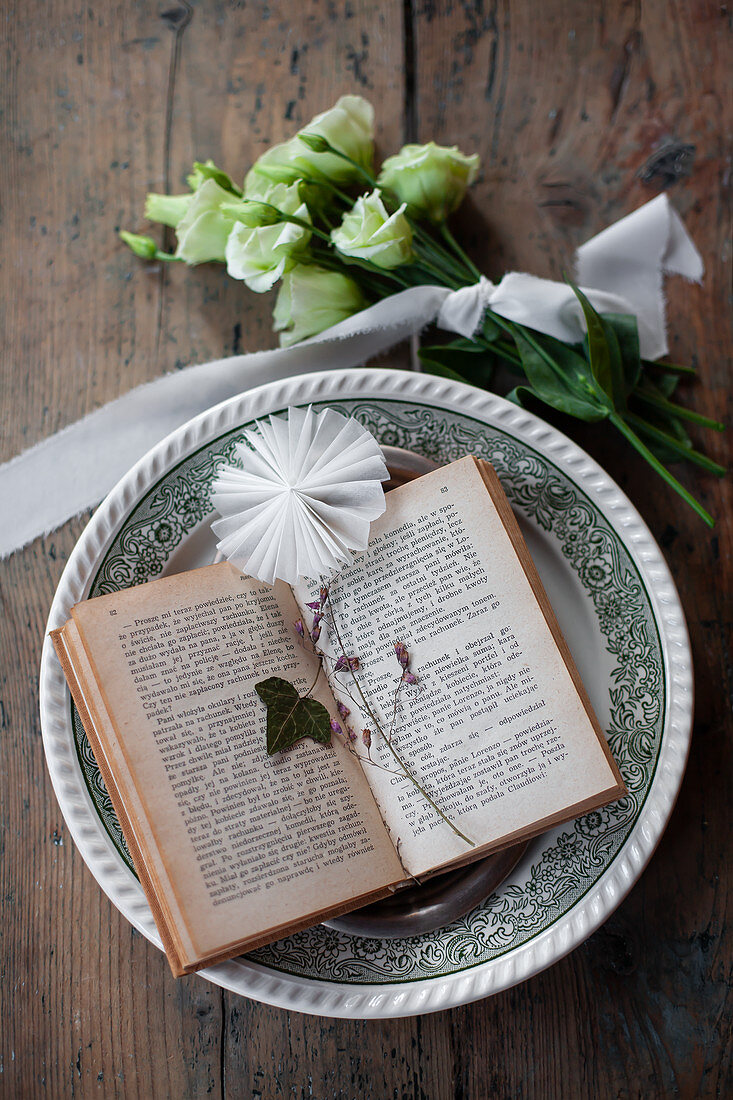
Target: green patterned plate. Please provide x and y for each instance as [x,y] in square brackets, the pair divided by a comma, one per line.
[616,604]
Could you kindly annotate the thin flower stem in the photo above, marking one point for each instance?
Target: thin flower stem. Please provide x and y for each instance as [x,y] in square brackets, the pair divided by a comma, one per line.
[394,708]
[443,278]
[453,243]
[678,410]
[685,452]
[377,723]
[663,472]
[439,253]
[304,225]
[337,153]
[346,199]
[675,368]
[318,673]
[376,270]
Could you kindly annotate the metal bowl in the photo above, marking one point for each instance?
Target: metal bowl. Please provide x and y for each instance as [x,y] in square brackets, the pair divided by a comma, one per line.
[440,900]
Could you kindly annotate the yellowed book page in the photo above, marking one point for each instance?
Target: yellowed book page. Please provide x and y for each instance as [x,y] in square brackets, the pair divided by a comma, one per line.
[120,788]
[248,842]
[495,731]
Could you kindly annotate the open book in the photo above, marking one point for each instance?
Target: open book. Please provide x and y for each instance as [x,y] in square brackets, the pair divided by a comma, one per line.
[234,848]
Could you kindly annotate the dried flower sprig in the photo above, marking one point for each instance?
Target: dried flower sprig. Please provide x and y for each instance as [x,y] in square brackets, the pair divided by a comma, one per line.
[349,664]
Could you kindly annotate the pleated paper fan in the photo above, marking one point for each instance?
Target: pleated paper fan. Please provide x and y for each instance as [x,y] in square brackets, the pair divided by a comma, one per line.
[304,497]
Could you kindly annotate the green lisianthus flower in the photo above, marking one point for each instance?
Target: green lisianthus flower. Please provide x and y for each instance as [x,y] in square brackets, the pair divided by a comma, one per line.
[167,209]
[431,179]
[171,209]
[348,126]
[261,253]
[203,230]
[311,300]
[369,232]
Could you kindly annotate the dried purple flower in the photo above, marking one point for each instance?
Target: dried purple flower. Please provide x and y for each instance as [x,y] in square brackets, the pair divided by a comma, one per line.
[323,594]
[315,633]
[366,736]
[409,678]
[402,655]
[350,733]
[299,628]
[315,606]
[345,662]
[343,710]
[336,727]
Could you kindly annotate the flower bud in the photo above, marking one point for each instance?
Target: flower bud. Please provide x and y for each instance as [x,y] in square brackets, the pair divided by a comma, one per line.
[345,663]
[315,142]
[252,213]
[144,247]
[369,233]
[207,170]
[431,179]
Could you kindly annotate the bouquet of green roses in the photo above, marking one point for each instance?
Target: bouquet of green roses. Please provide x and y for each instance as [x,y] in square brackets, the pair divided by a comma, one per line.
[314,215]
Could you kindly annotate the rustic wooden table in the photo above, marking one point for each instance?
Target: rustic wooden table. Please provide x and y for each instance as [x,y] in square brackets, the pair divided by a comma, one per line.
[580,111]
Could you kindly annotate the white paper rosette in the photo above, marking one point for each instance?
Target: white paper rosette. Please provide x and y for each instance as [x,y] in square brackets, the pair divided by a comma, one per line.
[307,491]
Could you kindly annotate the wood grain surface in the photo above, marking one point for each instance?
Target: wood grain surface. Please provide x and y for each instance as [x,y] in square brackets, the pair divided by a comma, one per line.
[580,110]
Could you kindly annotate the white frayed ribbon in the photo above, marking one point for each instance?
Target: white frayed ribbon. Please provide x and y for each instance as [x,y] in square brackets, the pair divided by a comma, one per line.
[621,271]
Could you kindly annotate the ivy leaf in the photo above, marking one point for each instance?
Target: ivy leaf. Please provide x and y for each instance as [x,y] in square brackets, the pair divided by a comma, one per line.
[290,717]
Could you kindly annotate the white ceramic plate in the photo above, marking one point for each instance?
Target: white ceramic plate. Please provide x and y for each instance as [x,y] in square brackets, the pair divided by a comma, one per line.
[617,606]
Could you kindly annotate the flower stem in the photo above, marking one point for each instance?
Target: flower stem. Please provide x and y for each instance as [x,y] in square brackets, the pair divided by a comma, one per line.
[453,243]
[678,410]
[684,452]
[318,673]
[663,472]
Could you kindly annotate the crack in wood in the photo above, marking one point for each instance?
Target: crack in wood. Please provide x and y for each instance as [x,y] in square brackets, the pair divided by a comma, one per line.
[177,19]
[410,62]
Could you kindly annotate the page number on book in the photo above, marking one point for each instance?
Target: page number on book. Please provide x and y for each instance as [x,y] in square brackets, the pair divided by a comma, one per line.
[113,611]
[444,488]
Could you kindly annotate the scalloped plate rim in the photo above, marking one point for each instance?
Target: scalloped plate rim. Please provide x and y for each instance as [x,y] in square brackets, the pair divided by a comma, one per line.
[329,998]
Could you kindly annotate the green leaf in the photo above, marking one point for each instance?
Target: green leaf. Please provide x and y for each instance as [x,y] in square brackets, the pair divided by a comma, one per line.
[441,371]
[291,717]
[462,359]
[665,383]
[569,392]
[626,329]
[490,330]
[604,353]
